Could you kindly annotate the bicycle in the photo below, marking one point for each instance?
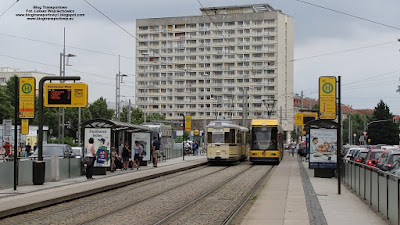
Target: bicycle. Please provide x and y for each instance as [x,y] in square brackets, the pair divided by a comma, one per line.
[203,151]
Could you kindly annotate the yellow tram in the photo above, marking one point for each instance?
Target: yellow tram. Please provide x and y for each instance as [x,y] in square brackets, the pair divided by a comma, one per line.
[226,142]
[266,141]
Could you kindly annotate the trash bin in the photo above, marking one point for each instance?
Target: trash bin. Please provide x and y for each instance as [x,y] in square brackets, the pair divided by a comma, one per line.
[38,172]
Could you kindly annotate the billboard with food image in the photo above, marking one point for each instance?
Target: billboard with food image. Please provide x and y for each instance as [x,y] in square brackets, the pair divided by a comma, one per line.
[322,148]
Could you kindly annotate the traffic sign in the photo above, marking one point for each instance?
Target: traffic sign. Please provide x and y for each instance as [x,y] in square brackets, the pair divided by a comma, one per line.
[188,123]
[66,95]
[26,97]
[196,132]
[327,98]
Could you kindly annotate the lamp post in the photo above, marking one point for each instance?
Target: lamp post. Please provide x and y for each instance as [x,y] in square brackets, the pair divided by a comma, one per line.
[205,115]
[61,120]
[118,80]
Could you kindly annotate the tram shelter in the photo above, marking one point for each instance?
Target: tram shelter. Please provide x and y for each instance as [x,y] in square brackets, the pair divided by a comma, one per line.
[108,134]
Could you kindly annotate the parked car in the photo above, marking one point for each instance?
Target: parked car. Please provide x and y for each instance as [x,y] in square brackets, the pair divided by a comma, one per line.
[77,151]
[60,150]
[395,170]
[352,152]
[346,149]
[373,156]
[388,157]
[361,155]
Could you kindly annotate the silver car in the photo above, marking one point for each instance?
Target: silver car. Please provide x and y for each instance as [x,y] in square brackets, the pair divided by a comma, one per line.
[60,150]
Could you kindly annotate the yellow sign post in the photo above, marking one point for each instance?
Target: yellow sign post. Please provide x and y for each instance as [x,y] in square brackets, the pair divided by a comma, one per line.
[298,119]
[26,97]
[327,98]
[66,95]
[304,117]
[24,126]
[188,123]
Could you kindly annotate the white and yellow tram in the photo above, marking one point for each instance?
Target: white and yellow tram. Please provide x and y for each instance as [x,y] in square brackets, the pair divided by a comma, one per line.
[226,142]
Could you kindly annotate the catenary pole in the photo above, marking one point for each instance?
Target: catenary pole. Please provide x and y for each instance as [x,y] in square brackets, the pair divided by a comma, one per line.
[339,136]
[16,107]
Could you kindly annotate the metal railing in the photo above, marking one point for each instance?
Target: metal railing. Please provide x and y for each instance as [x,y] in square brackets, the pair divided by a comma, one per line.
[380,189]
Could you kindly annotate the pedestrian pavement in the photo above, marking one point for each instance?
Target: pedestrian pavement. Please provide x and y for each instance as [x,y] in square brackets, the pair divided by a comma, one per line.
[29,197]
[293,195]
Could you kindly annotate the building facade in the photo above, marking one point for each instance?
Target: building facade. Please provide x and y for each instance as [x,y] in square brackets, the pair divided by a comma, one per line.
[6,73]
[227,63]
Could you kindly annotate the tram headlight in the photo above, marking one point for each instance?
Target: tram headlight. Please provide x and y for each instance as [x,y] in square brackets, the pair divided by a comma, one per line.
[218,152]
[273,154]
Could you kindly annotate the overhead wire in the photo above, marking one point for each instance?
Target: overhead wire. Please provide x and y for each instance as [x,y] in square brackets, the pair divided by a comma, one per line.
[349,15]
[126,31]
[45,64]
[68,46]
[8,9]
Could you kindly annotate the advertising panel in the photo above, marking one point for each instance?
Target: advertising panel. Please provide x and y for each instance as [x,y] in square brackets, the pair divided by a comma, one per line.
[102,145]
[145,142]
[322,148]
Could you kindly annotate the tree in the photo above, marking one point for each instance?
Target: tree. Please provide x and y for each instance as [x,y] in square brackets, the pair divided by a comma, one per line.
[155,116]
[383,132]
[98,109]
[11,89]
[358,121]
[6,109]
[71,114]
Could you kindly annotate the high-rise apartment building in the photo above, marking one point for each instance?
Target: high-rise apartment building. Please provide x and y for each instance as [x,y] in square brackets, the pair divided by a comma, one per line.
[226,63]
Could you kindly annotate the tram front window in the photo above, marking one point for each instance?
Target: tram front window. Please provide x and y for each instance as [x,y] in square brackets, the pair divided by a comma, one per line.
[264,138]
[217,138]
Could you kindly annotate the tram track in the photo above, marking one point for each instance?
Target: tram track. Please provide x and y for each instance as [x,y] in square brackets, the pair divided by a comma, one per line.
[39,214]
[207,207]
[170,199]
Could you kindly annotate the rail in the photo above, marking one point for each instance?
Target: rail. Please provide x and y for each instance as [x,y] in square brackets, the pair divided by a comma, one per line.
[380,189]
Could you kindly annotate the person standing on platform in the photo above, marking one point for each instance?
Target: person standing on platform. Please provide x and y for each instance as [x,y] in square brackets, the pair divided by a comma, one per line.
[7,150]
[125,155]
[293,147]
[156,150]
[90,153]
[28,149]
[137,149]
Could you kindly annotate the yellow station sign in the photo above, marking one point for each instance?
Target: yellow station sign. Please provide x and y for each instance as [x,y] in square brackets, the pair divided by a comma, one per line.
[188,123]
[298,119]
[24,126]
[26,97]
[304,117]
[66,95]
[327,98]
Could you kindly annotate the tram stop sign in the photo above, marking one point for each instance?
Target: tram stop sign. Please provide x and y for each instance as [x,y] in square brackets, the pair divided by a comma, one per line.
[26,97]
[66,95]
[327,98]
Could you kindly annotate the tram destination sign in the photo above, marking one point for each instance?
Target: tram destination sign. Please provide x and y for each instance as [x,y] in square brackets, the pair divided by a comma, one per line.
[327,98]
[66,95]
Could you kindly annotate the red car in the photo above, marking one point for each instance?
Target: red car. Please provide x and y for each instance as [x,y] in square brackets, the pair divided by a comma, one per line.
[372,157]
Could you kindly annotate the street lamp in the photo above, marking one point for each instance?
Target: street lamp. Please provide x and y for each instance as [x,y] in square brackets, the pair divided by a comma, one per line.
[118,80]
[61,111]
[205,115]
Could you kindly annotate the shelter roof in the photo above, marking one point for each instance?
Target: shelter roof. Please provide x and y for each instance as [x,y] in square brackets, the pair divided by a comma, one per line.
[115,125]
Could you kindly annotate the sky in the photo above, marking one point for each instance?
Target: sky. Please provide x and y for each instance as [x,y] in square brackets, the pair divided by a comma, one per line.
[364,53]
